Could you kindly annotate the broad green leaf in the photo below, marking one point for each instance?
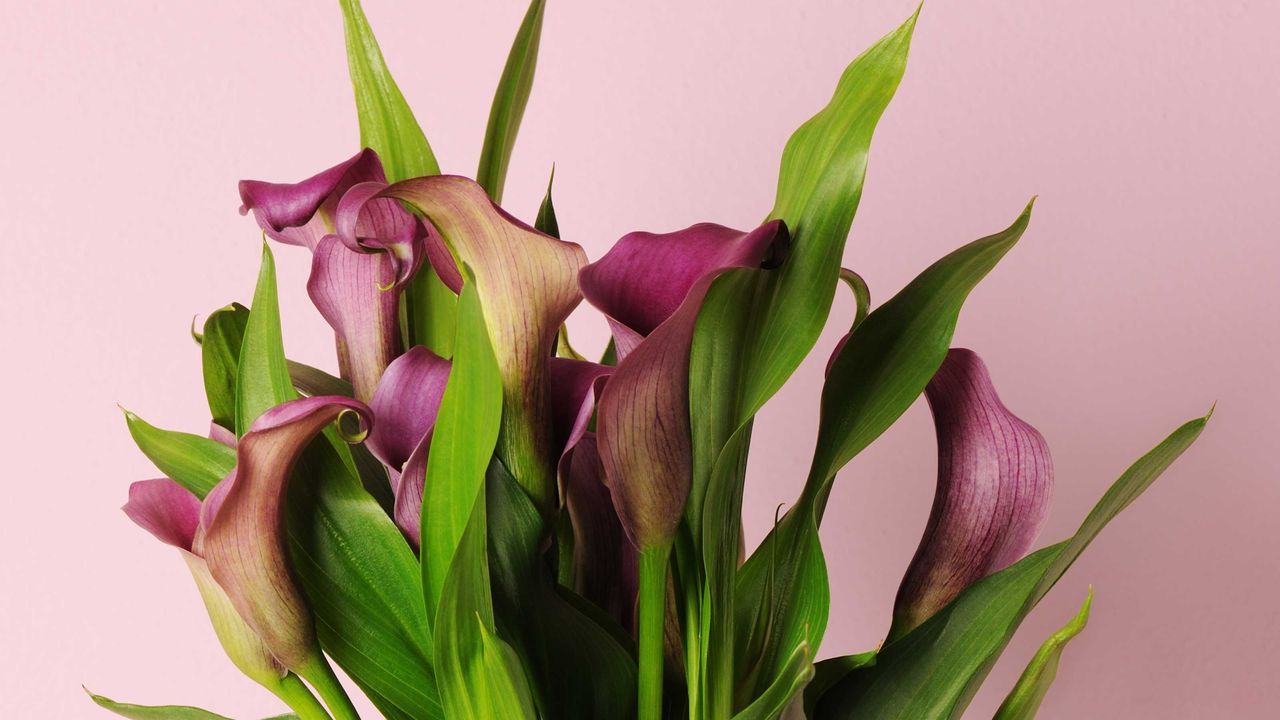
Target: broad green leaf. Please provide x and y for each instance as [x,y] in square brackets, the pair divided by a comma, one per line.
[546,220]
[933,671]
[465,434]
[827,673]
[262,375]
[164,712]
[220,356]
[387,125]
[1024,700]
[357,571]
[509,103]
[561,644]
[194,462]
[755,326]
[881,370]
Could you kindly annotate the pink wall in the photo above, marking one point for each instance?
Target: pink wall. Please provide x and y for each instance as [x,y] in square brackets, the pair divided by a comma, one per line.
[1144,291]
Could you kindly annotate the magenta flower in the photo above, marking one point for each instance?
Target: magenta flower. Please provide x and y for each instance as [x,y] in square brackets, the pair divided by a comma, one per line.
[994,482]
[235,540]
[651,286]
[364,249]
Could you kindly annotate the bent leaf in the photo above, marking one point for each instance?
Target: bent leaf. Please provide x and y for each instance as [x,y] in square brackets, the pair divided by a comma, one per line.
[219,357]
[1024,700]
[194,462]
[509,103]
[934,671]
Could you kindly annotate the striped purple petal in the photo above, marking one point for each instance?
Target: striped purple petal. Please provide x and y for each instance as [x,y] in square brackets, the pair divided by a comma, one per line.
[301,213]
[243,529]
[165,509]
[995,478]
[604,561]
[654,286]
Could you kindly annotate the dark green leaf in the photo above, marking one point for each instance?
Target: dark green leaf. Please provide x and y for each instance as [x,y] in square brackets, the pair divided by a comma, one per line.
[509,103]
[933,671]
[194,462]
[314,381]
[220,356]
[1024,700]
[546,221]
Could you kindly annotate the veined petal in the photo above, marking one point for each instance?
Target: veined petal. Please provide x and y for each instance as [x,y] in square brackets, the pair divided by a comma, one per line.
[246,650]
[995,477]
[242,525]
[643,416]
[405,406]
[644,278]
[369,223]
[574,385]
[165,509]
[527,283]
[302,213]
[348,288]
[604,561]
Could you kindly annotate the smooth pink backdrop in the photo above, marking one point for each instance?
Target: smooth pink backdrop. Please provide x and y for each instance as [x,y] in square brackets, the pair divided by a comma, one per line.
[1144,291]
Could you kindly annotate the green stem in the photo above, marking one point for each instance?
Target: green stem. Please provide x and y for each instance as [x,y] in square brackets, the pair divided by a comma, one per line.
[651,615]
[298,697]
[322,678]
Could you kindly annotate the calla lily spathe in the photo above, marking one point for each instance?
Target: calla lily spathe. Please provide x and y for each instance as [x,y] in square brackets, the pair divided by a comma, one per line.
[995,478]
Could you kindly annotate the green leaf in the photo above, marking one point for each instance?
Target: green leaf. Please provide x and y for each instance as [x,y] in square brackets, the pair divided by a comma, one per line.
[314,381]
[158,712]
[546,221]
[387,125]
[509,103]
[755,326]
[358,573]
[882,369]
[220,356]
[480,676]
[933,671]
[194,462]
[1024,700]
[560,642]
[463,440]
[262,375]
[785,690]
[831,671]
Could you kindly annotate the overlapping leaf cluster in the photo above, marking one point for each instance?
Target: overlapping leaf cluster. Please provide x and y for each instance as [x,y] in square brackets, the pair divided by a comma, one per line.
[527,534]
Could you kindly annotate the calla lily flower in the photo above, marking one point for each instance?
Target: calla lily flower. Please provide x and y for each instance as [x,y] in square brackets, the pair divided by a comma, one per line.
[604,560]
[171,513]
[405,405]
[364,249]
[995,477]
[527,282]
[242,526]
[651,287]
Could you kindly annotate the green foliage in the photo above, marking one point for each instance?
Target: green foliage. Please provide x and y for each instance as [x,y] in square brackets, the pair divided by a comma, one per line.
[509,102]
[1025,698]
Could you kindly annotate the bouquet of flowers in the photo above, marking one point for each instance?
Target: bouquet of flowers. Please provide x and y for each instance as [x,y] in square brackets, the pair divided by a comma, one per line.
[475,521]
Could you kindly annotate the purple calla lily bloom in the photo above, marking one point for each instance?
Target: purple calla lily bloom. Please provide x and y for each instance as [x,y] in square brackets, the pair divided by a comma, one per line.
[606,569]
[364,249]
[171,513]
[995,477]
[651,287]
[241,531]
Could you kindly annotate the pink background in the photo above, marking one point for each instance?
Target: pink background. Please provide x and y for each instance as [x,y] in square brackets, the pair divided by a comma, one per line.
[1144,291]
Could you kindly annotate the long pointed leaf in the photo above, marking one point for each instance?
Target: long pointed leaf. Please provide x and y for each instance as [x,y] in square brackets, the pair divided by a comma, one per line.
[194,462]
[1024,700]
[509,103]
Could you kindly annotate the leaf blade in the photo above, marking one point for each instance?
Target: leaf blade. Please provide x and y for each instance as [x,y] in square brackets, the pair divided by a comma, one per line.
[509,102]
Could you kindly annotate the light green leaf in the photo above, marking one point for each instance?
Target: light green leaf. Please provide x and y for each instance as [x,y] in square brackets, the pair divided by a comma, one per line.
[882,369]
[159,712]
[357,571]
[262,376]
[465,434]
[755,326]
[786,689]
[220,356]
[933,671]
[509,103]
[194,462]
[387,125]
[1024,700]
